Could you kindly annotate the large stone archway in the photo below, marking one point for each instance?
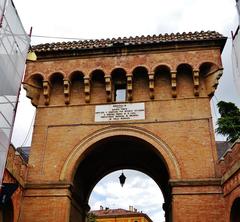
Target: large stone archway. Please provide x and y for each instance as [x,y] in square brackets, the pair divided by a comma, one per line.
[73,159]
[115,148]
[162,126]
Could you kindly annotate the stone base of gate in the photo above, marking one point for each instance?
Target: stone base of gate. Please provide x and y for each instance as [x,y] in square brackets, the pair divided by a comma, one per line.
[51,203]
[198,201]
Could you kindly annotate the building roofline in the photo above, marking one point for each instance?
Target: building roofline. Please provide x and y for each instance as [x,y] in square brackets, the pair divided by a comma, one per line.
[131,44]
[125,213]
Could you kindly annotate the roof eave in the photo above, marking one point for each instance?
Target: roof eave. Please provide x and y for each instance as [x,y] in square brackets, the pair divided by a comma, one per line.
[134,48]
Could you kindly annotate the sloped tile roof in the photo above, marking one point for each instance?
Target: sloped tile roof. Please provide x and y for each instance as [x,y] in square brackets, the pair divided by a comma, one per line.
[118,213]
[131,41]
[113,212]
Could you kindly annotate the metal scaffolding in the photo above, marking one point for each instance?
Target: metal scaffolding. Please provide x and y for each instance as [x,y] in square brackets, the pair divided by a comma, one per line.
[14,45]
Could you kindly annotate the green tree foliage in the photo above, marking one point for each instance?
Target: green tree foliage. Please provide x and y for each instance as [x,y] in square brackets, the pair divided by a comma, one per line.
[229,122]
[91,217]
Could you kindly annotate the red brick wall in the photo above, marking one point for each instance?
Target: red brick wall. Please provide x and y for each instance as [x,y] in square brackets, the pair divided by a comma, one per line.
[184,125]
[15,172]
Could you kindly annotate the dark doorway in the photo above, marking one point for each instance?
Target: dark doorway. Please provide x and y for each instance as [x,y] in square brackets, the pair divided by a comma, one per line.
[235,211]
[116,153]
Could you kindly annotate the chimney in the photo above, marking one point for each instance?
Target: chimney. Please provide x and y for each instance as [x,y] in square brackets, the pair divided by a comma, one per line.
[131,208]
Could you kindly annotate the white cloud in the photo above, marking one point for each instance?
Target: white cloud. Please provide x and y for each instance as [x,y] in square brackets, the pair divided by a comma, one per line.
[207,15]
[102,19]
[139,191]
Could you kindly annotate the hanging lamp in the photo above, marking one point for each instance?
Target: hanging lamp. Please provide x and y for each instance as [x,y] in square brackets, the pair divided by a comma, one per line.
[122,179]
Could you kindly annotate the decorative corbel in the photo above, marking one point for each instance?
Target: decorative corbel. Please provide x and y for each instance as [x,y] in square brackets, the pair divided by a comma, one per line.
[211,81]
[196,82]
[87,89]
[151,85]
[66,90]
[129,87]
[46,91]
[174,83]
[108,85]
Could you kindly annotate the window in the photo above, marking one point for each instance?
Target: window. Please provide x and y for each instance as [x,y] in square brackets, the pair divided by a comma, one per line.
[120,93]
[119,81]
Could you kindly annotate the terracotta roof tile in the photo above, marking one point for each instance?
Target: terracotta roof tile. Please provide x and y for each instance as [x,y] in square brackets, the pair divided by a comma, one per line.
[115,212]
[138,40]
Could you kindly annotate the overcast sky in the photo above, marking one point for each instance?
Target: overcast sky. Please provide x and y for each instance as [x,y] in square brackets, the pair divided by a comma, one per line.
[95,19]
[139,191]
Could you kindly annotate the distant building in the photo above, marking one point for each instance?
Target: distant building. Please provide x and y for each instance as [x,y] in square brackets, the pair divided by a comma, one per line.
[120,215]
[229,167]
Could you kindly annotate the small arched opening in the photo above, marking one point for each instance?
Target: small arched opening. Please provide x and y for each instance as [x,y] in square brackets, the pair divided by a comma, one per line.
[140,84]
[98,92]
[235,211]
[116,153]
[77,87]
[56,94]
[34,88]
[184,81]
[162,80]
[206,71]
[119,84]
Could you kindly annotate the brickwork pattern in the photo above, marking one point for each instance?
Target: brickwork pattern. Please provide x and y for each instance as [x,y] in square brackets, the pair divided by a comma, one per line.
[175,85]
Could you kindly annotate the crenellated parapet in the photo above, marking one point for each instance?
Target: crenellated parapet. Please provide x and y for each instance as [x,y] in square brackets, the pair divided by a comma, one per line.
[99,75]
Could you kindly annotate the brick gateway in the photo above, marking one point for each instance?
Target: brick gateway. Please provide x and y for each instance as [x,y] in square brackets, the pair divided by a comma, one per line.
[172,140]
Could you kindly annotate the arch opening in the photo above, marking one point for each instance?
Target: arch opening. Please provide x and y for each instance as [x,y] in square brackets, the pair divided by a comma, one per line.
[34,88]
[56,81]
[97,86]
[184,81]
[119,84]
[162,79]
[206,70]
[116,153]
[140,195]
[77,87]
[140,84]
[234,214]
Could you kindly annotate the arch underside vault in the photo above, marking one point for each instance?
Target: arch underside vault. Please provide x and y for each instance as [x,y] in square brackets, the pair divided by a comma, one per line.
[115,148]
[119,152]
